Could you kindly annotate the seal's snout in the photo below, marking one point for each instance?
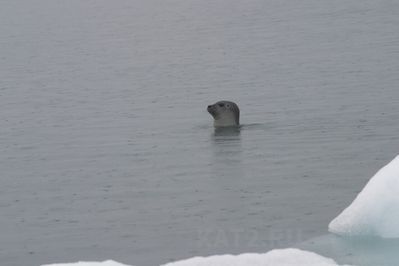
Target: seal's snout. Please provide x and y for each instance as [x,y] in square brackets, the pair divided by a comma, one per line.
[211,109]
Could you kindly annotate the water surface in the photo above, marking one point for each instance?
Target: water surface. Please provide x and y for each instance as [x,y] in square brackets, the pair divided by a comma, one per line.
[108,151]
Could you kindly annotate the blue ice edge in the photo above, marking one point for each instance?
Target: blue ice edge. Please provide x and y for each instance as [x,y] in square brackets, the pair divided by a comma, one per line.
[359,250]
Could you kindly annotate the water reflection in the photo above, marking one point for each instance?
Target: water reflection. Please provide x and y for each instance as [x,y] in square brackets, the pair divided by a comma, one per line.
[227,166]
[227,133]
[227,144]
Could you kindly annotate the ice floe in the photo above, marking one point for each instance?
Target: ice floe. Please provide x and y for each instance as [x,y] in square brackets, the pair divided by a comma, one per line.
[375,210]
[276,257]
[89,263]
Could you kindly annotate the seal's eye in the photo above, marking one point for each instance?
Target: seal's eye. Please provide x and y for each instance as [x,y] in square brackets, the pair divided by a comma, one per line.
[221,104]
[228,106]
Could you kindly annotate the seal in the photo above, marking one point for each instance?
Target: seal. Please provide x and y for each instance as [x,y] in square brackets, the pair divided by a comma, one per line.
[225,114]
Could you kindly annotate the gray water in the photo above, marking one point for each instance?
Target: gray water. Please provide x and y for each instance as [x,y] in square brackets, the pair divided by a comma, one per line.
[108,151]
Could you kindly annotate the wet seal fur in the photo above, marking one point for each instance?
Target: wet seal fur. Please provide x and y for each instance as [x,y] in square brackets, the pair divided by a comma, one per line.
[225,114]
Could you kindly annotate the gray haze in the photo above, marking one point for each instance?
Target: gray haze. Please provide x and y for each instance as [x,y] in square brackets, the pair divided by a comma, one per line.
[107,151]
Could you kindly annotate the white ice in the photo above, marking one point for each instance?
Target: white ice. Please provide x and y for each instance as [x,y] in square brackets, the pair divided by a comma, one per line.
[276,257]
[375,211]
[89,263]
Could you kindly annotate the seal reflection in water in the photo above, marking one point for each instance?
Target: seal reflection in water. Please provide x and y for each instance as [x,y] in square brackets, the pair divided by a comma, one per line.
[225,114]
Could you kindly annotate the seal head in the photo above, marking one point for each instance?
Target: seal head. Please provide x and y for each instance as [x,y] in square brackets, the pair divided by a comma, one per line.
[225,114]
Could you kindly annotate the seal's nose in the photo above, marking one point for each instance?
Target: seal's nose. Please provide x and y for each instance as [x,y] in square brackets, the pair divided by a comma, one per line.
[209,106]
